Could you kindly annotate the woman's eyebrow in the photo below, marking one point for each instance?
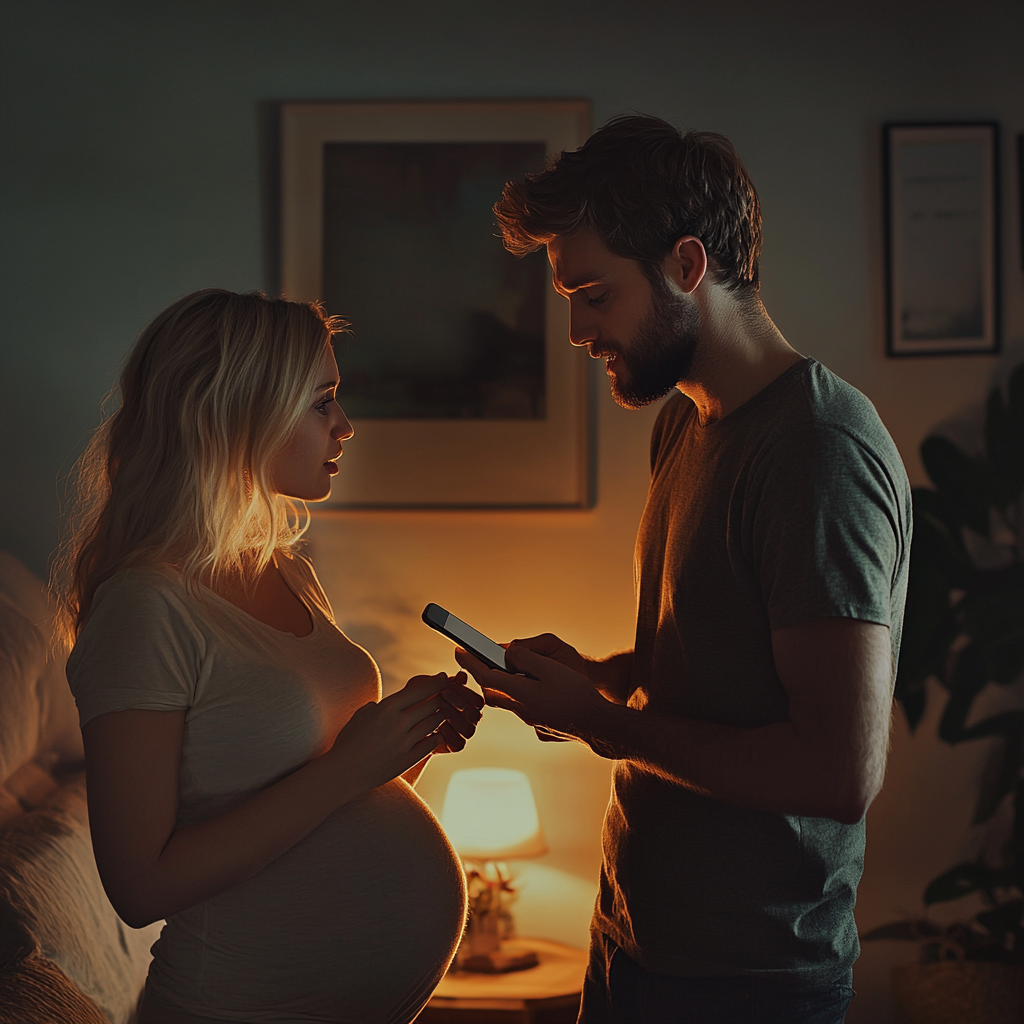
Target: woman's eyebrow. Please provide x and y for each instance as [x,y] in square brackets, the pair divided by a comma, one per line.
[327,384]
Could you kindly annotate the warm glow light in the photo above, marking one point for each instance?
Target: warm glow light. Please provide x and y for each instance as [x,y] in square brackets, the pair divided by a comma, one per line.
[489,814]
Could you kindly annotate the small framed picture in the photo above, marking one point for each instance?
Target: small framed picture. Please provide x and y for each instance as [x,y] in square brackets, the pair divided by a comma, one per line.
[457,375]
[942,238]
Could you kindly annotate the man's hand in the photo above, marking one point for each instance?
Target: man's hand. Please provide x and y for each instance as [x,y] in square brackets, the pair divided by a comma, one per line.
[609,675]
[552,693]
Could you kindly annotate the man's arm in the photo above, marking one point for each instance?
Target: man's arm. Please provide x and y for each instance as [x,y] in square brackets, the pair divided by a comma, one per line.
[827,760]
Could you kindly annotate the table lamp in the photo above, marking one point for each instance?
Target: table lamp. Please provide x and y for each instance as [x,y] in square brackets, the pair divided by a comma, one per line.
[490,817]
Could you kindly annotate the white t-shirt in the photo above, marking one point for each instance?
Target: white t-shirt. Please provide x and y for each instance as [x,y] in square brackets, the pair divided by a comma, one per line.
[356,922]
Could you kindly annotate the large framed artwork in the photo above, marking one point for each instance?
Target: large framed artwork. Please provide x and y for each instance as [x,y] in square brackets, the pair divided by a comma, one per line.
[942,238]
[457,373]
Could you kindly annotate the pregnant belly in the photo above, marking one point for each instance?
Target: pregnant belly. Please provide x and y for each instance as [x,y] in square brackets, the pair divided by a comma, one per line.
[355,923]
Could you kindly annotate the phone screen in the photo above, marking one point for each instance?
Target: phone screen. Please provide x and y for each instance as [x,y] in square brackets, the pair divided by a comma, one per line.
[462,633]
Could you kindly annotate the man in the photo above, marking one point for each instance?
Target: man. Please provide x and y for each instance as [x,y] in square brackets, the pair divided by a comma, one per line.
[749,724]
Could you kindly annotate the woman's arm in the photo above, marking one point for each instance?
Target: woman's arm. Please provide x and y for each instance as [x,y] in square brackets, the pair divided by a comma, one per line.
[150,870]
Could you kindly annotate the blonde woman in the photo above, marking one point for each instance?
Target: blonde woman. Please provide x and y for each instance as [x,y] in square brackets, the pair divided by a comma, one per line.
[246,781]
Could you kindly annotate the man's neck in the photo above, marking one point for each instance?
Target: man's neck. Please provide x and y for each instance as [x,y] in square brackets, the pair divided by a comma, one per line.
[739,353]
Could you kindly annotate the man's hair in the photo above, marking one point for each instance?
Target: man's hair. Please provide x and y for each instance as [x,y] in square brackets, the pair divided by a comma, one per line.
[641,185]
[180,473]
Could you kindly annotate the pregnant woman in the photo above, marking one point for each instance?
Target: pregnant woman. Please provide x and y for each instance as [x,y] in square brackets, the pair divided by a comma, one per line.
[246,781]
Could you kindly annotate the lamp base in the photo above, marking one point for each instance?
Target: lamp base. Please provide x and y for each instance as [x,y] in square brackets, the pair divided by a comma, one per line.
[499,962]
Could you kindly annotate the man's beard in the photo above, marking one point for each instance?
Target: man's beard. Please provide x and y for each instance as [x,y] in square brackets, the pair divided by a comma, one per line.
[661,353]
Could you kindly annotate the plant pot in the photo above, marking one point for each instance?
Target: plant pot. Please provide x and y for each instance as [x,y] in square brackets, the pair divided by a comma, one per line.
[958,992]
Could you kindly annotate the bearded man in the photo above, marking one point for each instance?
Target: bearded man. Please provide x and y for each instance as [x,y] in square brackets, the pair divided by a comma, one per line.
[749,724]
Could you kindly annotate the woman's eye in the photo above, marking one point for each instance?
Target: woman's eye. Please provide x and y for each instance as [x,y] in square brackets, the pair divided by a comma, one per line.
[321,406]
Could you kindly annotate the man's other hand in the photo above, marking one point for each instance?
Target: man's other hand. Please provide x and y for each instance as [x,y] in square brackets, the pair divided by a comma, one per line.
[551,692]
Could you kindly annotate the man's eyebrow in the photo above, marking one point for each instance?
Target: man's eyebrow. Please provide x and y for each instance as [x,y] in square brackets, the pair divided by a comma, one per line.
[582,281]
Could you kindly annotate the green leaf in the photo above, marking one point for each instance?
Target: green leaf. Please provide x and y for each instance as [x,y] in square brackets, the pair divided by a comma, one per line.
[938,535]
[1007,917]
[1005,458]
[959,881]
[1015,413]
[1000,775]
[963,480]
[1017,836]
[994,602]
[1007,724]
[967,680]
[913,703]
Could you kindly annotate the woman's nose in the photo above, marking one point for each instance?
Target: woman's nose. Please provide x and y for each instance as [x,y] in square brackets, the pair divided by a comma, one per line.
[342,430]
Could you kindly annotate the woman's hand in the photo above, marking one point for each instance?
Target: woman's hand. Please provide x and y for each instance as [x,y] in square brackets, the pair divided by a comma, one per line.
[464,710]
[387,737]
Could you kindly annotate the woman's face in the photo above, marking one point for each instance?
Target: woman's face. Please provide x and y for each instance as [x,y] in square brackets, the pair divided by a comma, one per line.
[304,466]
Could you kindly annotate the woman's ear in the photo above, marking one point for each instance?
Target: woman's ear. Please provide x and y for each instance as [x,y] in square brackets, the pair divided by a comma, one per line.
[687,263]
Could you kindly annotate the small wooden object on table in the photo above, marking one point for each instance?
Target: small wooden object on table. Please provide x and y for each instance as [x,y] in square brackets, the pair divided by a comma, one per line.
[546,994]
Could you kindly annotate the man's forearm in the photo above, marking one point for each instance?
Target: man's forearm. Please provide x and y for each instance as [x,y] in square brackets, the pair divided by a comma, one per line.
[770,768]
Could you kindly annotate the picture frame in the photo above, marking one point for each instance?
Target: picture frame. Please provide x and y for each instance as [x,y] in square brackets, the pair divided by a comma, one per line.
[458,376]
[942,238]
[1020,195]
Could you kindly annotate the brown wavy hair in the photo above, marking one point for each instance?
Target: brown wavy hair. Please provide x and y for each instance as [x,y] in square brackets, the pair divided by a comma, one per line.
[641,185]
[179,475]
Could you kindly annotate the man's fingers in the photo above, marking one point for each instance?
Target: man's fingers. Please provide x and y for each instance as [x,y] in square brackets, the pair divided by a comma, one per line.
[497,699]
[522,659]
[544,643]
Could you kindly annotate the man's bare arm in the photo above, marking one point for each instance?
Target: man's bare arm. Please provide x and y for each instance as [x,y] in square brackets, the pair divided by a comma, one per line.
[826,760]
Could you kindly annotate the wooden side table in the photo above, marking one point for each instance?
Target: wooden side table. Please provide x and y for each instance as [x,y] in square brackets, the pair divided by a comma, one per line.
[546,994]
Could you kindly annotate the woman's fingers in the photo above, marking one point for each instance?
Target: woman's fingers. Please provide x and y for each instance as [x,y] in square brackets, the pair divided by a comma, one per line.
[452,742]
[417,690]
[461,697]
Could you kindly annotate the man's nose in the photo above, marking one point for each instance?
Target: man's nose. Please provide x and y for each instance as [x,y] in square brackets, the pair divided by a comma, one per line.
[582,331]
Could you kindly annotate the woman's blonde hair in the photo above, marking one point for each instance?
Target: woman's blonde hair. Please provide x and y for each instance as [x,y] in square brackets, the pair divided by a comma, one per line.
[180,473]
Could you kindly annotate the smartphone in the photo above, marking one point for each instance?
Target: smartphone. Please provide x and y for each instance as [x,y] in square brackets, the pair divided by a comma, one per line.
[490,653]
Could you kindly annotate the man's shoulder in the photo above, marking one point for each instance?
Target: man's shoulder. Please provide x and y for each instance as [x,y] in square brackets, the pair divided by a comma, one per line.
[814,401]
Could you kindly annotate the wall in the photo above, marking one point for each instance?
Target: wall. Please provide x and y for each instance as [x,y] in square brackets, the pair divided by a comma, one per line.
[136,169]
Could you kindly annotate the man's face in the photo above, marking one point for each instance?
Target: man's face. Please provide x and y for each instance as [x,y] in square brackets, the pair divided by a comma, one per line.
[646,334]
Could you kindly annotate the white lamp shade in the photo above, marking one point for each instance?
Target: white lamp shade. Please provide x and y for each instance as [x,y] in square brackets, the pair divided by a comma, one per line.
[489,814]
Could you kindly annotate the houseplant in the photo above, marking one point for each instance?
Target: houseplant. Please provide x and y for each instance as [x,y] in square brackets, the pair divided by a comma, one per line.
[964,626]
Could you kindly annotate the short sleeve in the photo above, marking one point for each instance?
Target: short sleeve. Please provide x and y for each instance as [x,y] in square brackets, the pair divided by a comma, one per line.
[139,649]
[827,530]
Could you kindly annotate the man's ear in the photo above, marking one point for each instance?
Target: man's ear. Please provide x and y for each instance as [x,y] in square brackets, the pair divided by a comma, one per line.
[687,263]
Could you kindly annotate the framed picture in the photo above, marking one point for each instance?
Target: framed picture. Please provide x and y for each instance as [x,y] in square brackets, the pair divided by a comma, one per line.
[457,373]
[942,238]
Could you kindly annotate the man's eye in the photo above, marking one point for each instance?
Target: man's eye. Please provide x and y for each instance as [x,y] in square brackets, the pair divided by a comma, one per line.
[596,300]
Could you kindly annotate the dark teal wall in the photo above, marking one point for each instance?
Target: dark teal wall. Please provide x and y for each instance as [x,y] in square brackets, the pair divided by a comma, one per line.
[132,150]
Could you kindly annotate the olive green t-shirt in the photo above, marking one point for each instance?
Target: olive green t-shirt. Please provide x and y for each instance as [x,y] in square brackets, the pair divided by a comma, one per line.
[795,507]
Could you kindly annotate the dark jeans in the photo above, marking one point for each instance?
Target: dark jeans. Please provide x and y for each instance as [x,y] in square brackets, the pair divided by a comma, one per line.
[618,990]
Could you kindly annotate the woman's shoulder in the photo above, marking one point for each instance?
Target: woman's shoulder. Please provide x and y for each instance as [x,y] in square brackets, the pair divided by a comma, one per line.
[302,577]
[144,599]
[141,645]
